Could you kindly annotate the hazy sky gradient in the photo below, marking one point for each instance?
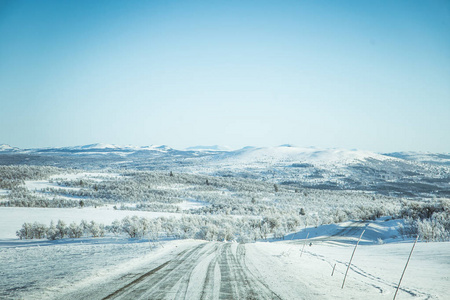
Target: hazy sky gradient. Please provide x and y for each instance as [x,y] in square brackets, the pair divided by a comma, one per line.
[372,75]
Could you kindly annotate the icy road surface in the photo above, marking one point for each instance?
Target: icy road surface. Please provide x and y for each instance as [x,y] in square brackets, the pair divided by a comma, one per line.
[214,270]
[206,271]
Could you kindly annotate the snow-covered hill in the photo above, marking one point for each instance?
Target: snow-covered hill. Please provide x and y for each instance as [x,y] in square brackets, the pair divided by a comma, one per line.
[406,174]
[99,148]
[94,146]
[288,155]
[209,148]
[7,148]
[425,157]
[252,155]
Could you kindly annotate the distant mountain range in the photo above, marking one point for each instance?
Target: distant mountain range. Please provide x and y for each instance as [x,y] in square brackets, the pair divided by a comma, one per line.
[425,157]
[209,148]
[400,173]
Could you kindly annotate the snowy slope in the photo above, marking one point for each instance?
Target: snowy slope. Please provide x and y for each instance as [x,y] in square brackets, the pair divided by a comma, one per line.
[375,271]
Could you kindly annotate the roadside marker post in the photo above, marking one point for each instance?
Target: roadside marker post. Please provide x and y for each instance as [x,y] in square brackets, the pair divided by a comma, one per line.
[293,236]
[407,262]
[349,264]
[304,244]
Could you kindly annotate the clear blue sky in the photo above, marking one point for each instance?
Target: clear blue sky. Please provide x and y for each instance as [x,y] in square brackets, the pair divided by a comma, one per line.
[371,75]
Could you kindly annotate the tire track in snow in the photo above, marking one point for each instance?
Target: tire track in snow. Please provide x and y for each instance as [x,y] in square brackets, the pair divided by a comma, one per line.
[212,281]
[156,285]
[237,281]
[139,279]
[256,283]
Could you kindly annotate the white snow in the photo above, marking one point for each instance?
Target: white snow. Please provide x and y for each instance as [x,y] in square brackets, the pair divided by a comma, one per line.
[375,271]
[192,204]
[384,229]
[39,185]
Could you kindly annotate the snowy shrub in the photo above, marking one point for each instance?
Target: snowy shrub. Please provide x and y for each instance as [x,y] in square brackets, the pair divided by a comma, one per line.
[39,230]
[433,230]
[279,233]
[96,229]
[52,232]
[74,230]
[131,226]
[85,227]
[61,229]
[32,231]
[25,232]
[272,222]
[431,220]
[114,228]
[225,233]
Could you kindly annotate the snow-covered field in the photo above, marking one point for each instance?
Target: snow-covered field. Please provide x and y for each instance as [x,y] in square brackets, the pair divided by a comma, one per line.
[39,185]
[47,269]
[375,271]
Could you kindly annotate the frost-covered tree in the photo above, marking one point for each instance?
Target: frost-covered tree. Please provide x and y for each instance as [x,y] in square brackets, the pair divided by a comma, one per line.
[96,229]
[74,230]
[39,230]
[26,232]
[61,229]
[115,227]
[52,232]
[85,227]
[130,226]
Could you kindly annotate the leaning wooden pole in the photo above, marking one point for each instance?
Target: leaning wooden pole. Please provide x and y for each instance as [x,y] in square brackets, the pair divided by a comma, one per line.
[349,264]
[407,262]
[304,244]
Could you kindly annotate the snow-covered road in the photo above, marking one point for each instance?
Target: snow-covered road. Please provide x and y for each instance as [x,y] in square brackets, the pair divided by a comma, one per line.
[205,271]
[263,270]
